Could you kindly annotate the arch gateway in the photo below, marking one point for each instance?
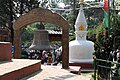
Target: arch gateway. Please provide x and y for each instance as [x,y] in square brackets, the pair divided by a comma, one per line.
[42,15]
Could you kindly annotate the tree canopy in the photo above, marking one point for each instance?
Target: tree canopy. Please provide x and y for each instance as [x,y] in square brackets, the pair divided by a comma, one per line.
[11,9]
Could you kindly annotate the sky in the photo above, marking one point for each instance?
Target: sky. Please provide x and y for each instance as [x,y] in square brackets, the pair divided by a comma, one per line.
[89,0]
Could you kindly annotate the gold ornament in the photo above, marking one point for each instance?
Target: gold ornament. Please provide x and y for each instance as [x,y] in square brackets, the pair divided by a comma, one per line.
[81,27]
[81,1]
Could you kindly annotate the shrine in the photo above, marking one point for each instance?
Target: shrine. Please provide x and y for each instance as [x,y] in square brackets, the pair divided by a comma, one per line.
[80,49]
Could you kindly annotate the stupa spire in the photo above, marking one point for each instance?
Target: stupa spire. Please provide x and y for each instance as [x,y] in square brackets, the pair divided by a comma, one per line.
[81,24]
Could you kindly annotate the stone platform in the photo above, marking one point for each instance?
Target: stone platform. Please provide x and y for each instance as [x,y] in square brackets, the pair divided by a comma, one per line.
[18,68]
[84,66]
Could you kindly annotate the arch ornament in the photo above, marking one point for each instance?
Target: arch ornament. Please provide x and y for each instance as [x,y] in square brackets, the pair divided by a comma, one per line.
[42,15]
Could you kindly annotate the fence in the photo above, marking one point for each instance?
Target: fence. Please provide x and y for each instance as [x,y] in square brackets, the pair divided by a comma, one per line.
[106,70]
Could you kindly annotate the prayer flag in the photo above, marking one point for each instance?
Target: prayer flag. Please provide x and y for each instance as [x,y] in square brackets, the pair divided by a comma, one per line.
[105,5]
[106,13]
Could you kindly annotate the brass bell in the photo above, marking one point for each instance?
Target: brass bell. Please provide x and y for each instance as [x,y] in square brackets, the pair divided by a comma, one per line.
[40,41]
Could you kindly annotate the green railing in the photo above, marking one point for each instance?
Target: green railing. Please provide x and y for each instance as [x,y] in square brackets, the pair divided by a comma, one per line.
[106,70]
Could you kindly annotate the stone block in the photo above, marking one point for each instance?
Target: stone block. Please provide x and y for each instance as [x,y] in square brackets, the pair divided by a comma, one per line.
[5,51]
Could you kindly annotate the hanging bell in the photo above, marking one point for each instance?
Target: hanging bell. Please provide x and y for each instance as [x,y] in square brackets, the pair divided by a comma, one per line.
[40,41]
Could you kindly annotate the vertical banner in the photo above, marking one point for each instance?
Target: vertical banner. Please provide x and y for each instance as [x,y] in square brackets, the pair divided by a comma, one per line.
[106,7]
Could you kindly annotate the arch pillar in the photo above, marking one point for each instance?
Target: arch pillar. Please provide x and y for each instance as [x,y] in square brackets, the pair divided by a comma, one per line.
[65,48]
[17,44]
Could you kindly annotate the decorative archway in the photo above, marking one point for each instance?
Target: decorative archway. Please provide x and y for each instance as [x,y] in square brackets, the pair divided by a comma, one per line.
[42,15]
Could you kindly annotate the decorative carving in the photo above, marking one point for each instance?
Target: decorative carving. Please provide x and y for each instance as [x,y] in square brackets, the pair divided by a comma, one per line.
[81,36]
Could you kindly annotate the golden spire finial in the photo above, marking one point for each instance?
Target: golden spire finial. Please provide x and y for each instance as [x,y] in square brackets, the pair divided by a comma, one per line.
[81,1]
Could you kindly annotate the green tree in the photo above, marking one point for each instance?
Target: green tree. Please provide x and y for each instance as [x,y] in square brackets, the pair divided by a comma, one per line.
[10,9]
[115,29]
[27,33]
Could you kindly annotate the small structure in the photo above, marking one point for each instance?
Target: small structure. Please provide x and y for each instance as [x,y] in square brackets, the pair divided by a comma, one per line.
[80,49]
[42,15]
[4,34]
[55,35]
[5,51]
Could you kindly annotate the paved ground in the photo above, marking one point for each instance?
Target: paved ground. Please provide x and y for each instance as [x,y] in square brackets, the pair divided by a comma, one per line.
[15,64]
[47,72]
[56,73]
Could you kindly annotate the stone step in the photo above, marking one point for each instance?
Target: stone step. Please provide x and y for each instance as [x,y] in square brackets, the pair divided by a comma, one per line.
[18,68]
[75,69]
[84,66]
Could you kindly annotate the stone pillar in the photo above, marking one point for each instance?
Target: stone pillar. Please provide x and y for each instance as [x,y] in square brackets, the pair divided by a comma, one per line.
[5,51]
[65,48]
[17,44]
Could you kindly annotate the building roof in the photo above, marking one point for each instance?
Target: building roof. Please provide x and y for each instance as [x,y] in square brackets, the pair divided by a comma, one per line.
[54,31]
[57,32]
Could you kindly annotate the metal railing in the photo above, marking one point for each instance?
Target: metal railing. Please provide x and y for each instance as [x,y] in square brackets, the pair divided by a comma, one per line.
[106,70]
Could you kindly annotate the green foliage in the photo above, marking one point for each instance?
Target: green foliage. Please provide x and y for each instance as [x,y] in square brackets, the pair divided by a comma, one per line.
[115,24]
[53,5]
[93,33]
[49,26]
[100,28]
[94,16]
[69,1]
[72,37]
[10,9]
[27,33]
[2,21]
[115,28]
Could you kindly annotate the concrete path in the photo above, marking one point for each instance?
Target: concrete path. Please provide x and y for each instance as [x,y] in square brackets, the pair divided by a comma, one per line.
[49,72]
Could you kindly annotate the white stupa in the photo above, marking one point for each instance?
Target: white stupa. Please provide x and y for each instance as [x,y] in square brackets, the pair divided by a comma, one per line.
[80,49]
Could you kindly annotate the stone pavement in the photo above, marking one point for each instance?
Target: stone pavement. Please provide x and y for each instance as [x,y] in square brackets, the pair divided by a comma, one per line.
[15,64]
[49,72]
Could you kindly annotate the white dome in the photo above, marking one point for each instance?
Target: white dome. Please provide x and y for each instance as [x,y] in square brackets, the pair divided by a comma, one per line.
[81,51]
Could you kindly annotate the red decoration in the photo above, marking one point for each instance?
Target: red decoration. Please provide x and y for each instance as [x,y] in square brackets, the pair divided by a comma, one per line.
[105,5]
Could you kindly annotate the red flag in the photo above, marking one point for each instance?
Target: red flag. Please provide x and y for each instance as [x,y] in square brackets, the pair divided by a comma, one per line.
[105,5]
